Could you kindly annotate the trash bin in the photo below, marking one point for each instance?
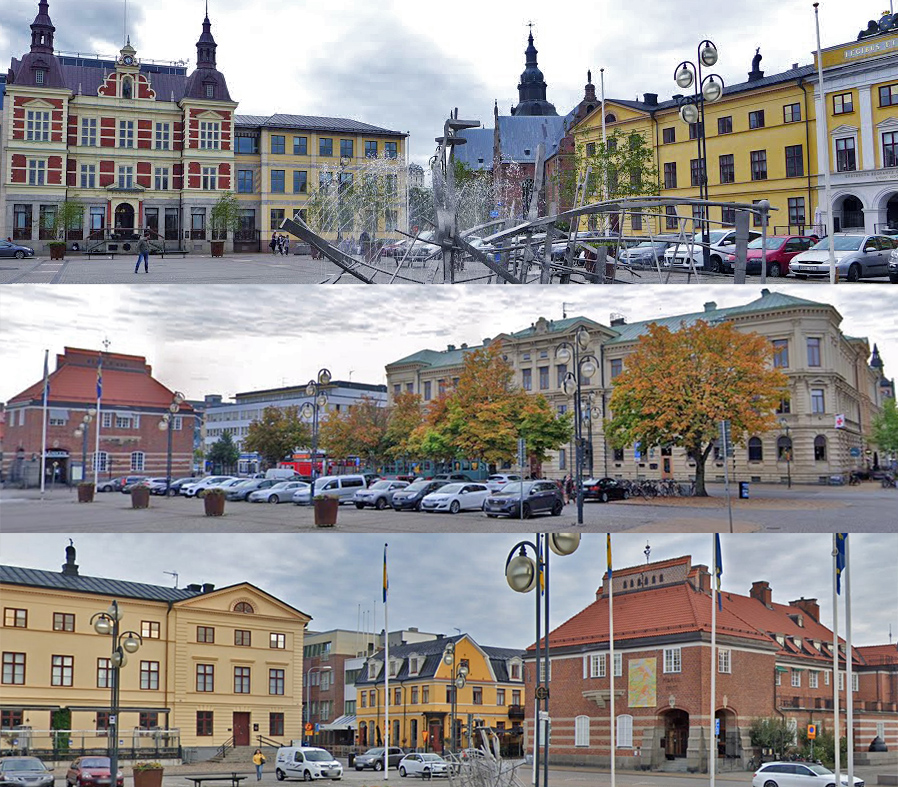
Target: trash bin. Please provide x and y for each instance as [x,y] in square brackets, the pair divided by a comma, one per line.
[351,759]
[743,490]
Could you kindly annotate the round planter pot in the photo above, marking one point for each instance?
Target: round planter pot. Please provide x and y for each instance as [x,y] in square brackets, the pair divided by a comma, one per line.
[214,504]
[326,511]
[140,497]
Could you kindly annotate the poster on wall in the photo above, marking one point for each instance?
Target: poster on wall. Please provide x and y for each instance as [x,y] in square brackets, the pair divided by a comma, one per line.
[642,682]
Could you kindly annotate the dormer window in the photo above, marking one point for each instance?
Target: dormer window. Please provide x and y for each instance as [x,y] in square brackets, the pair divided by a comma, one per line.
[394,668]
[372,670]
[210,90]
[40,76]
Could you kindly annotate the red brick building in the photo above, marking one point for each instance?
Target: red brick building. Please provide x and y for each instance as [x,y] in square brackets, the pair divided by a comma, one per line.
[132,406]
[773,660]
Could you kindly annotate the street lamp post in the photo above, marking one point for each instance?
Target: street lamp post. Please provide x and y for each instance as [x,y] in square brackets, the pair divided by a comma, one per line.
[692,111]
[592,411]
[459,678]
[523,574]
[315,391]
[585,366]
[125,642]
[167,425]
[788,453]
[81,431]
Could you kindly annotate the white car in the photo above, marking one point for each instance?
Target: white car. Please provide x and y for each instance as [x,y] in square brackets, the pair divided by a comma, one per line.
[497,481]
[279,493]
[192,490]
[797,774]
[721,244]
[423,764]
[306,763]
[456,497]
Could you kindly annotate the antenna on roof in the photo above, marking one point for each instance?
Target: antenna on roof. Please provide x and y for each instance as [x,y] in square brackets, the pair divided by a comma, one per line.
[173,574]
[564,309]
[647,552]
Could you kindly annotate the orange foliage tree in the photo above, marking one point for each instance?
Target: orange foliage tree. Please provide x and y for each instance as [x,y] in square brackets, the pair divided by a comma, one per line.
[679,385]
[361,431]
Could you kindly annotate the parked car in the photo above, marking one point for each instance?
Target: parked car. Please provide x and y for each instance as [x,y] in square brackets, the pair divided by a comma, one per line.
[496,481]
[282,492]
[451,477]
[379,494]
[423,764]
[374,758]
[25,771]
[422,248]
[409,499]
[646,253]
[92,772]
[456,497]
[721,244]
[306,763]
[858,256]
[110,485]
[179,483]
[157,485]
[201,485]
[134,480]
[781,249]
[395,248]
[797,774]
[539,497]
[8,249]
[893,266]
[343,487]
[242,491]
[281,473]
[604,489]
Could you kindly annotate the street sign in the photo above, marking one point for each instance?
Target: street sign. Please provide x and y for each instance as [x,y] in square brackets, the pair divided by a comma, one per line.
[542,693]
[855,451]
[717,727]
[308,726]
[637,453]
[840,421]
[726,438]
[812,731]
[494,214]
[522,451]
[317,727]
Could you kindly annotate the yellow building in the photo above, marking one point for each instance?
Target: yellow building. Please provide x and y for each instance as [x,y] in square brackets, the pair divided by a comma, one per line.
[286,163]
[420,694]
[214,664]
[762,141]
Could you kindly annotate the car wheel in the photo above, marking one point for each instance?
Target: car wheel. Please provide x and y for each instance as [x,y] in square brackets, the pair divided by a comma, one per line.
[425,774]
[557,508]
[526,513]
[378,765]
[854,273]
[359,506]
[402,771]
[770,783]
[307,776]
[280,775]
[773,270]
[893,278]
[381,503]
[274,499]
[626,494]
[20,255]
[715,264]
[604,497]
[454,507]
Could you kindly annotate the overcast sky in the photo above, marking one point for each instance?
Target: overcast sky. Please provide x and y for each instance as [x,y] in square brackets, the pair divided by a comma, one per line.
[404,65]
[226,339]
[443,582]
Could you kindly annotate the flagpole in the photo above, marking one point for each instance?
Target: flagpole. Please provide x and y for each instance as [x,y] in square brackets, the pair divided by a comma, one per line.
[99,419]
[712,737]
[823,142]
[849,682]
[605,150]
[386,671]
[44,423]
[611,657]
[838,753]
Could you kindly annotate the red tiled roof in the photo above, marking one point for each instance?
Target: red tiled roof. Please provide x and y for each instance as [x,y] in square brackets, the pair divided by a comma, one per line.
[677,561]
[879,654]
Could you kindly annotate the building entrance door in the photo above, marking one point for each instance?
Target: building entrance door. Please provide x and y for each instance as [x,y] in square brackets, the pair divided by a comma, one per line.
[435,735]
[241,729]
[676,734]
[124,216]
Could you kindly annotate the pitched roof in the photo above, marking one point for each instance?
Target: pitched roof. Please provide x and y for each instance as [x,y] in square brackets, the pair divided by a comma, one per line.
[313,123]
[518,137]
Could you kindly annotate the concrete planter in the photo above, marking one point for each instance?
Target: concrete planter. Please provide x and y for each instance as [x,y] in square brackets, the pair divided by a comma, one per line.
[214,503]
[326,509]
[218,248]
[151,777]
[140,498]
[85,493]
[57,250]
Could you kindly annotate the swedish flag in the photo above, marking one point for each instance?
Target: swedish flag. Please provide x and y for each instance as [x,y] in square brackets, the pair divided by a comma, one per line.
[608,549]
[100,379]
[841,539]
[719,560]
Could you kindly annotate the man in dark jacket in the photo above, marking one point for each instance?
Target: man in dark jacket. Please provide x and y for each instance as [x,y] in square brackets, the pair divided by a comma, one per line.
[143,253]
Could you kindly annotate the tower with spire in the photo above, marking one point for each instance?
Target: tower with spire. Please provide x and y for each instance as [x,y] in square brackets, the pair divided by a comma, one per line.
[206,82]
[532,87]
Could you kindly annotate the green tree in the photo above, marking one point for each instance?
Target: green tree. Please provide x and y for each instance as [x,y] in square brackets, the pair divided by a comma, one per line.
[679,385]
[224,453]
[225,216]
[772,732]
[542,429]
[277,433]
[884,429]
[403,418]
[64,217]
[420,208]
[824,747]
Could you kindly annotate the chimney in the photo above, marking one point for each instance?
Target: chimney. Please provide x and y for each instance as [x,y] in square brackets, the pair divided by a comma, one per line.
[450,348]
[794,66]
[70,568]
[208,587]
[618,319]
[486,341]
[761,591]
[809,606]
[704,578]
[650,98]
[710,306]
[464,345]
[194,588]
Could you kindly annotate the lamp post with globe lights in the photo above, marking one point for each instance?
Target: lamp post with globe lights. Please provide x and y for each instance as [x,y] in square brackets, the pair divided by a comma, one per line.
[692,111]
[523,574]
[459,678]
[167,425]
[81,431]
[123,643]
[315,391]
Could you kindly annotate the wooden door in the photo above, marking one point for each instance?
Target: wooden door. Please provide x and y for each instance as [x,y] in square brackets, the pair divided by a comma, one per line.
[241,729]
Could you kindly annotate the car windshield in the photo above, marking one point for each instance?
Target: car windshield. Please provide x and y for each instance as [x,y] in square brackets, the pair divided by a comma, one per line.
[430,757]
[23,765]
[95,762]
[416,486]
[380,485]
[319,756]
[514,488]
[451,489]
[840,243]
[647,244]
[771,243]
[374,752]
[715,236]
[819,769]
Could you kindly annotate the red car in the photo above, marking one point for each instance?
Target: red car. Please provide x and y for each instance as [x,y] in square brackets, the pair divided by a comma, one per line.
[780,251]
[91,772]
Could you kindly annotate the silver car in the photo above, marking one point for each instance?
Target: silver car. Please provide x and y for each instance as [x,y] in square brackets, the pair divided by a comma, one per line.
[379,494]
[893,266]
[858,256]
[25,771]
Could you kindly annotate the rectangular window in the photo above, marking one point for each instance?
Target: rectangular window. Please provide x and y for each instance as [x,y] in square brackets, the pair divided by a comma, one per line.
[210,135]
[890,149]
[727,169]
[668,135]
[63,621]
[149,675]
[370,148]
[791,113]
[846,160]
[160,179]
[695,172]
[843,103]
[625,731]
[617,366]
[581,731]
[104,673]
[500,697]
[247,145]
[813,344]
[888,95]
[723,661]
[37,172]
[694,130]
[89,132]
[278,641]
[61,670]
[515,697]
[276,724]
[277,181]
[241,680]
[781,353]
[796,211]
[796,679]
[149,629]
[725,125]
[163,136]
[205,634]
[275,681]
[244,181]
[618,665]
[37,125]
[243,638]
[15,618]
[204,723]
[210,178]
[125,177]
[597,665]
[756,119]
[527,379]
[14,668]
[88,176]
[670,217]
[794,161]
[390,149]
[205,677]
[818,402]
[15,718]
[126,133]
[277,144]
[148,720]
[759,165]
[277,218]
[300,181]
[543,378]
[198,223]
[670,175]
[672,660]
[813,680]
[300,146]
[346,148]
[325,146]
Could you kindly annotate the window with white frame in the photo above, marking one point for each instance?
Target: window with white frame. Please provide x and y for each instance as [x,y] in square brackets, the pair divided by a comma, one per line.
[826,679]
[137,458]
[177,422]
[723,661]
[102,461]
[813,679]
[88,176]
[89,132]
[125,176]
[581,731]
[163,136]
[778,678]
[126,133]
[793,729]
[372,670]
[37,125]
[672,660]
[543,676]
[210,134]
[597,665]
[160,182]
[624,738]
[618,665]
[209,178]
[854,681]
[37,172]
[796,679]
[107,420]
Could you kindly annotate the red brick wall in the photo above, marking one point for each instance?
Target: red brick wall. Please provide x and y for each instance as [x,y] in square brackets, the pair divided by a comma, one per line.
[54,170]
[107,132]
[72,137]
[18,172]
[71,178]
[107,173]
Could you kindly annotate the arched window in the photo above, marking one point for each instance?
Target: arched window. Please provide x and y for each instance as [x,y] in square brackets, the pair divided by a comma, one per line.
[625,731]
[784,449]
[610,118]
[126,87]
[755,450]
[581,731]
[819,448]
[243,606]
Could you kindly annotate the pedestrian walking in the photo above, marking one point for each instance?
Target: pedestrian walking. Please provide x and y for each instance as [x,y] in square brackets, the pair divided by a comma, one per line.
[258,761]
[286,245]
[569,487]
[365,246]
[143,253]
[274,242]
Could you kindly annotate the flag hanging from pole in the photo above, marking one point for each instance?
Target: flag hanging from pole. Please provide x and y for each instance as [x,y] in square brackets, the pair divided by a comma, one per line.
[608,549]
[841,538]
[386,579]
[719,568]
[46,376]
[541,568]
[100,378]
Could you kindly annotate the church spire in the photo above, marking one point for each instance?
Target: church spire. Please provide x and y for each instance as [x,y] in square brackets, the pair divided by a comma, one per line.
[205,47]
[532,87]
[42,30]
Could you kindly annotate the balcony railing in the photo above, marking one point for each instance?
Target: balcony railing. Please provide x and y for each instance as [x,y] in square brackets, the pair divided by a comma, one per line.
[67,744]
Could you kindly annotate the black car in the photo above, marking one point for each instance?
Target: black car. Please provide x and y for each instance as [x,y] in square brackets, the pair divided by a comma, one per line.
[409,499]
[9,249]
[605,489]
[540,497]
[175,489]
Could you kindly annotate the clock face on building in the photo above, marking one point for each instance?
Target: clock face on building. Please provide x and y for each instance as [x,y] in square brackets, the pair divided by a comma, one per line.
[127,60]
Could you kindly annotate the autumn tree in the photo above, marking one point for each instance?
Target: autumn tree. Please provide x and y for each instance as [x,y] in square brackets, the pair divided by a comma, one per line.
[679,385]
[404,417]
[884,429]
[277,433]
[361,431]
[433,439]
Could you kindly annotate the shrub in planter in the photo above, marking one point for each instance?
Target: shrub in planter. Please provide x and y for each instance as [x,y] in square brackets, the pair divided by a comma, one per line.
[57,249]
[86,492]
[140,496]
[147,774]
[214,502]
[326,508]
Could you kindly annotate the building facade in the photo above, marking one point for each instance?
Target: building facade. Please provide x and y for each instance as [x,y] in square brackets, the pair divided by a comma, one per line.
[132,406]
[829,375]
[213,663]
[772,659]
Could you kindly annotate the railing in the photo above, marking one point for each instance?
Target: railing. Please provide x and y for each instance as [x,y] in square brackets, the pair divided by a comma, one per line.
[264,740]
[62,744]
[225,748]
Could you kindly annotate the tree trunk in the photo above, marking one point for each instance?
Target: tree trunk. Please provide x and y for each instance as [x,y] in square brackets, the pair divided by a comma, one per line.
[700,456]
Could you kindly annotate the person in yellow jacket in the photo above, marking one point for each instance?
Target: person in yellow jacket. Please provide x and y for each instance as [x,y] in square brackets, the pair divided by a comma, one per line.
[258,761]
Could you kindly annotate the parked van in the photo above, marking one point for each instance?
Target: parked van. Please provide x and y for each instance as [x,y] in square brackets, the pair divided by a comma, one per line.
[343,487]
[307,763]
[281,473]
